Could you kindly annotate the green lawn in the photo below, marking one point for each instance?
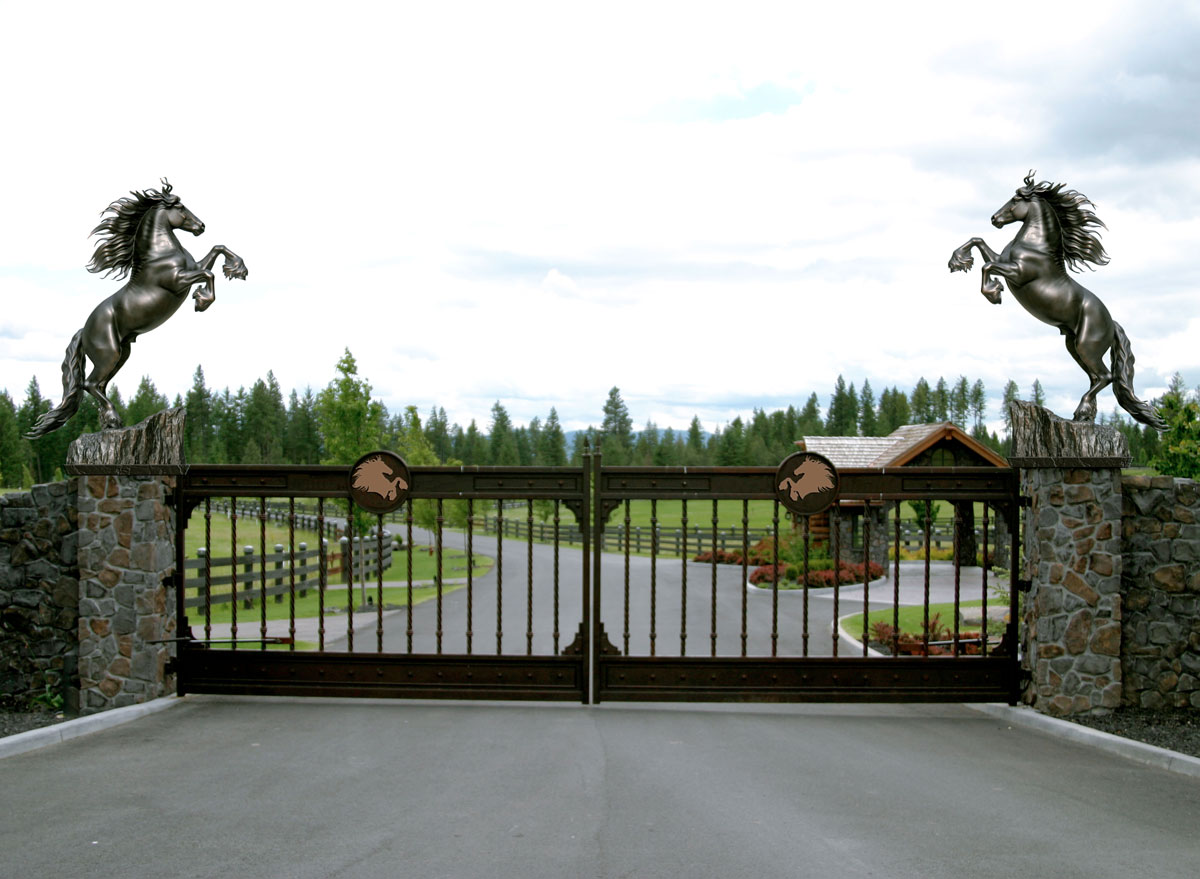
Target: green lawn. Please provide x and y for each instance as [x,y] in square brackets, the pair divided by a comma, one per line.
[912,617]
[309,606]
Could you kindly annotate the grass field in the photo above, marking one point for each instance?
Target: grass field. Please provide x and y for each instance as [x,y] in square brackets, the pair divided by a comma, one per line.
[309,606]
[912,617]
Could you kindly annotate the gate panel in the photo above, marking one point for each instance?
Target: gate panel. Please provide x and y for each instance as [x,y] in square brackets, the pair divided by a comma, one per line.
[476,642]
[773,644]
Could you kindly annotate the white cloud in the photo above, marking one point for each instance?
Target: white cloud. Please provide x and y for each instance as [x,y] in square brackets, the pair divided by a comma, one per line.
[498,204]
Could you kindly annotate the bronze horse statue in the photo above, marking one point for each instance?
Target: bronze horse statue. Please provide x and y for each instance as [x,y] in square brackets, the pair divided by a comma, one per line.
[1056,233]
[138,241]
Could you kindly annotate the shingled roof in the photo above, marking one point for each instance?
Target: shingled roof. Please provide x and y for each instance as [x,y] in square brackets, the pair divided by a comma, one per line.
[894,450]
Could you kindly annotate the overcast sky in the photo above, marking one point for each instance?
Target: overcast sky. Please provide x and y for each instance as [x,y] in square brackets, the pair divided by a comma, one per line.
[713,209]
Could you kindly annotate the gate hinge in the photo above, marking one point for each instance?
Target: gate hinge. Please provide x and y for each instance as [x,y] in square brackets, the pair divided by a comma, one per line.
[1025,500]
[1024,585]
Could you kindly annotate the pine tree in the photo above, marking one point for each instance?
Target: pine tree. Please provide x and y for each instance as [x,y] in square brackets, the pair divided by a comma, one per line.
[921,403]
[619,426]
[842,405]
[646,445]
[960,402]
[12,459]
[1039,396]
[302,436]
[868,421]
[146,402]
[695,451]
[1010,393]
[941,401]
[978,404]
[502,445]
[474,447]
[810,423]
[732,449]
[199,431]
[552,447]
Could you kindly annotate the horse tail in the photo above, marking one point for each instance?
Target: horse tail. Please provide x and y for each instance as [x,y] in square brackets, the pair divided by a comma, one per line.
[1122,369]
[72,371]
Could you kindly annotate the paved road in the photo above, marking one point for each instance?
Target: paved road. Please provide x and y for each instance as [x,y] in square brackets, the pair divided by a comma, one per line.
[505,594]
[222,787]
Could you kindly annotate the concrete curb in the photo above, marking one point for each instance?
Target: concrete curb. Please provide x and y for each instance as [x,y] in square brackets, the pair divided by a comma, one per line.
[1161,758]
[81,726]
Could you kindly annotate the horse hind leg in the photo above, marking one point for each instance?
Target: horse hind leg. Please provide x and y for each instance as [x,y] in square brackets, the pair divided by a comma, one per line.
[1089,354]
[107,356]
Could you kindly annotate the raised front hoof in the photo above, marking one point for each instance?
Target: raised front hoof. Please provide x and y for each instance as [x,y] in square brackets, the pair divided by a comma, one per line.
[1085,413]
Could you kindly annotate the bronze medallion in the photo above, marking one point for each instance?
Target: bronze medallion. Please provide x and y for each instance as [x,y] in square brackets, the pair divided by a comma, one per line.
[379,481]
[806,483]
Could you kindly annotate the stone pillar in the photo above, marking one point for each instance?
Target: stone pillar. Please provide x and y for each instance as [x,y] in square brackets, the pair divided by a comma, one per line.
[126,558]
[126,601]
[1071,471]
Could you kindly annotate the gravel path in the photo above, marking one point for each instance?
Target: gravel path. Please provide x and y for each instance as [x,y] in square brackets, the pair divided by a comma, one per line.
[1177,730]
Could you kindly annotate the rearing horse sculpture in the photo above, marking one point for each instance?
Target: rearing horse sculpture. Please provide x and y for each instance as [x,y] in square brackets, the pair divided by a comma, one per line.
[138,238]
[1056,233]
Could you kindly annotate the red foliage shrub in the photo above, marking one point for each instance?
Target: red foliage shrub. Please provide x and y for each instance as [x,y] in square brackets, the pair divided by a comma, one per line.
[768,574]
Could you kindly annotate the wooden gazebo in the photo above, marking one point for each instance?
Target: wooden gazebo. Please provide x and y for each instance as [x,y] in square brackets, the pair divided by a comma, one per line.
[913,445]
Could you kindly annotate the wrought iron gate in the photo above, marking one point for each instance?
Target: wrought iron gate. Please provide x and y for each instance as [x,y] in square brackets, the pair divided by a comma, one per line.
[552,621]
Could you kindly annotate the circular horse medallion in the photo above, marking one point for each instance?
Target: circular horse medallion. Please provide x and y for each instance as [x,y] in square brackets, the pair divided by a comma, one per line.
[379,481]
[806,483]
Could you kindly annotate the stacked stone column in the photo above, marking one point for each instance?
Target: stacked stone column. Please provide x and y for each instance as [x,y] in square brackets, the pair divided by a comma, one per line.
[1071,471]
[126,602]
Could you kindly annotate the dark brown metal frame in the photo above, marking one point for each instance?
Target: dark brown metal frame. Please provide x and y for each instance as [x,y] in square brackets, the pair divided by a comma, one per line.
[591,669]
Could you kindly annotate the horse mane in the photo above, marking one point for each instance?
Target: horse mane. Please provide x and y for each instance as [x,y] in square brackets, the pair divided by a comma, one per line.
[1079,244]
[115,251]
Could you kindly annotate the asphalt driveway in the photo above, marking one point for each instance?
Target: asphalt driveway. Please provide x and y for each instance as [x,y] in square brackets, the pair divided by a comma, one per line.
[224,786]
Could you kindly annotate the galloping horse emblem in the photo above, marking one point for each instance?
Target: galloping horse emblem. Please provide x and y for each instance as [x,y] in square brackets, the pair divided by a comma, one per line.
[1056,233]
[138,241]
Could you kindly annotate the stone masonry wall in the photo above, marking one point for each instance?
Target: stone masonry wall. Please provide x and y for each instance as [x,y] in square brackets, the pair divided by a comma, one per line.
[126,601]
[39,594]
[1073,613]
[1160,585]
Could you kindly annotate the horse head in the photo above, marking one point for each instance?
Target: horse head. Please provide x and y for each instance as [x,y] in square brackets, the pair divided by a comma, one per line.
[1017,207]
[176,215]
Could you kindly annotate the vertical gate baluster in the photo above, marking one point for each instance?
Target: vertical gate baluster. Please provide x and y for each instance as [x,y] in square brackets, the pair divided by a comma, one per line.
[683,554]
[207,569]
[957,574]
[529,577]
[233,568]
[775,579]
[835,526]
[804,634]
[349,565]
[292,573]
[470,569]
[896,589]
[262,569]
[379,583]
[713,554]
[408,523]
[653,573]
[627,576]
[499,575]
[322,562]
[983,645]
[556,632]
[928,529]
[438,574]
[866,571]
[745,565]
